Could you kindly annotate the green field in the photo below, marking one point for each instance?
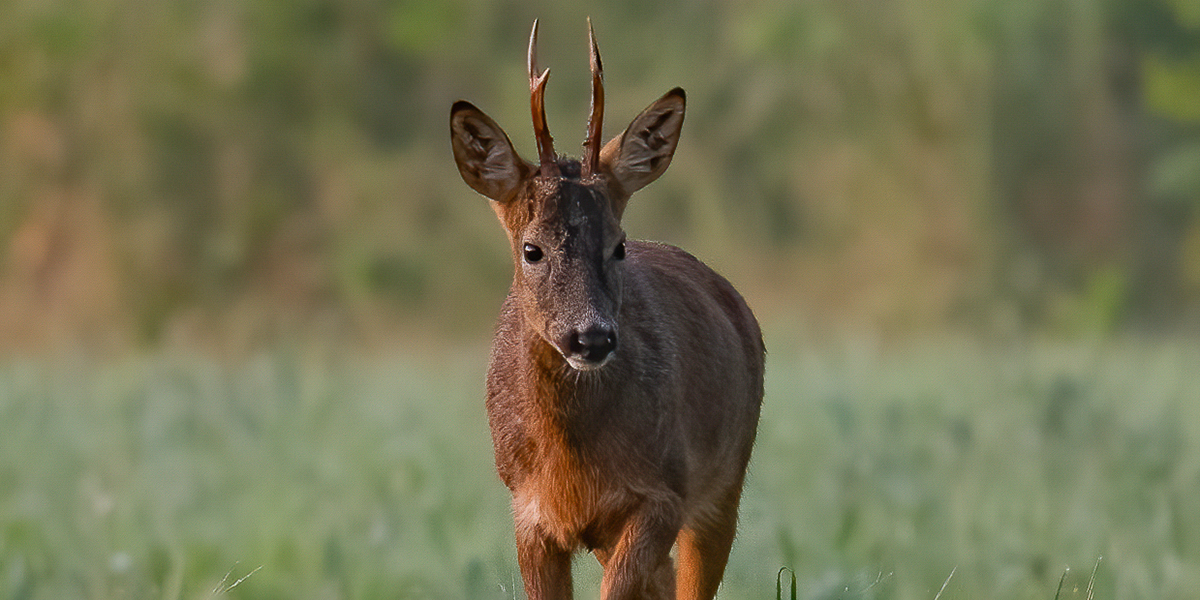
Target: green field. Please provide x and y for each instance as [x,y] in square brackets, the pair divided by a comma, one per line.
[878,473]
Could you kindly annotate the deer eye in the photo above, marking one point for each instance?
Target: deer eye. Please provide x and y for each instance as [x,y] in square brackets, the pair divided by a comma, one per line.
[532,253]
[619,251]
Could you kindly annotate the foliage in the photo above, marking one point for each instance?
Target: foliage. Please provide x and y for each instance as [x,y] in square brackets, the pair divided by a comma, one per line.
[230,172]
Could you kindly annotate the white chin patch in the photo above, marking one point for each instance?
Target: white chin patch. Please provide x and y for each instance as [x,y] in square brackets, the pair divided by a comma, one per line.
[586,365]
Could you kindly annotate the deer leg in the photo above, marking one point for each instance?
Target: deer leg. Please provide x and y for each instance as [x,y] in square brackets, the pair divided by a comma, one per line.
[545,567]
[639,566]
[602,555]
[704,550]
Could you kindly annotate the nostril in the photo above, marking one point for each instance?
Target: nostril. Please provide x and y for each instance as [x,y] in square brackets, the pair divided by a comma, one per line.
[575,343]
[593,345]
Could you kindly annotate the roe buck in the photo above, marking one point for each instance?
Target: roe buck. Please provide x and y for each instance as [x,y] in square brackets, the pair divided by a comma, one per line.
[626,377]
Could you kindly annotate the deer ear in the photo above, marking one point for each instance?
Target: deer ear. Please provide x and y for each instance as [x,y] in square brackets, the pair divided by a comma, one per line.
[486,158]
[638,156]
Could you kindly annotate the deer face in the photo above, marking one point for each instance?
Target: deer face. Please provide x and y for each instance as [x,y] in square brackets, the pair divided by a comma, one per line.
[563,216]
[568,269]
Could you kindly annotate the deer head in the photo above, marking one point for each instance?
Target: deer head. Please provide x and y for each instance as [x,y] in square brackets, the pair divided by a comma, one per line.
[563,215]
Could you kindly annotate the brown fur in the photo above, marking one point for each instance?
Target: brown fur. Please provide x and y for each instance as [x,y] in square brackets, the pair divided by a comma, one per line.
[642,446]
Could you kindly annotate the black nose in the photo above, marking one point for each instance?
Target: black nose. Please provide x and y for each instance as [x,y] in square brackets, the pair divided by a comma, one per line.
[593,345]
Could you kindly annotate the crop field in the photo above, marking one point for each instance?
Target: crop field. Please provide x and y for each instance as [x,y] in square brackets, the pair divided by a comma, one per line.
[998,472]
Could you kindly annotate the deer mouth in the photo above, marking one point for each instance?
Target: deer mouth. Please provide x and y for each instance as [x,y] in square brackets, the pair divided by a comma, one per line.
[583,364]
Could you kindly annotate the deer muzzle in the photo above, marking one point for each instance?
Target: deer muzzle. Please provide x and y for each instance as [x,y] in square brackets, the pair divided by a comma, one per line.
[591,348]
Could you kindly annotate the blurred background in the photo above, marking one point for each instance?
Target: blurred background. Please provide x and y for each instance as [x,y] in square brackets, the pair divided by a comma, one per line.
[237,173]
[245,297]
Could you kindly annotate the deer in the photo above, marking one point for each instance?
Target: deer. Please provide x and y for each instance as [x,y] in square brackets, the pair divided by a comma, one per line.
[626,377]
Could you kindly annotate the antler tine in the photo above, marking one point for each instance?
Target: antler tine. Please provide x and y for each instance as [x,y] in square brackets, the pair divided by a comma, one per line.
[532,57]
[591,144]
[537,100]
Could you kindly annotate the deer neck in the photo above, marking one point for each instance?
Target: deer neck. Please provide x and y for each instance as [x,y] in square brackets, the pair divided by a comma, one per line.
[569,401]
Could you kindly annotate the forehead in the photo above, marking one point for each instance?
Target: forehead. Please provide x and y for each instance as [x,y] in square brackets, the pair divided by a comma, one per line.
[569,206]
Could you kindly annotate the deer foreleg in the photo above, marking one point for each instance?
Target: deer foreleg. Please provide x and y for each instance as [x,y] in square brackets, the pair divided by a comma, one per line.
[545,567]
[639,567]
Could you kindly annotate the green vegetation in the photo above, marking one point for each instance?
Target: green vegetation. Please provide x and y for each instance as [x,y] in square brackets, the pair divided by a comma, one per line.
[234,172]
[187,180]
[878,474]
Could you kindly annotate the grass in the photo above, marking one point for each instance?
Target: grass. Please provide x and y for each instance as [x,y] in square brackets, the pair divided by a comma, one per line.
[942,470]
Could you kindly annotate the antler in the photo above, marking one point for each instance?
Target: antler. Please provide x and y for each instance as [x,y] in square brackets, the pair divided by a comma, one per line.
[537,100]
[591,144]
